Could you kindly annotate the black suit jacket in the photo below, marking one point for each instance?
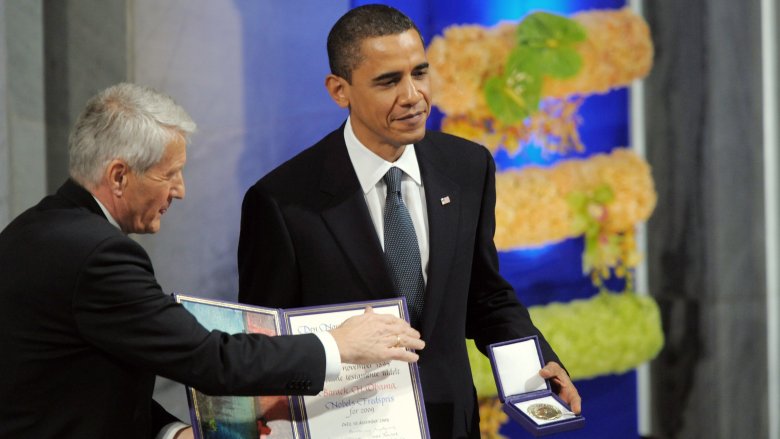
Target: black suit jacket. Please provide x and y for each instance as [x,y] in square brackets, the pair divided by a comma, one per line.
[84,329]
[307,239]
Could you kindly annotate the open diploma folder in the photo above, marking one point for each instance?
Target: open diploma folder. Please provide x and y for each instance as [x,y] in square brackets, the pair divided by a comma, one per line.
[375,400]
[527,397]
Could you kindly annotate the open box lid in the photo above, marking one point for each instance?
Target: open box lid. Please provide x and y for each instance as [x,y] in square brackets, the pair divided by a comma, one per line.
[516,365]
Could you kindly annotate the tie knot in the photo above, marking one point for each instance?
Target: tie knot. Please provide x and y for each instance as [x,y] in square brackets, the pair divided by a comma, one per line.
[393,179]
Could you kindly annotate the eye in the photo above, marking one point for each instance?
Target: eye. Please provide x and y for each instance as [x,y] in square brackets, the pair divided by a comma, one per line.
[420,73]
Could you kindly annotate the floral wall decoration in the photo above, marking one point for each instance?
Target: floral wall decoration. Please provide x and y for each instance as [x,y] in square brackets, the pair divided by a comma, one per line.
[521,85]
[521,82]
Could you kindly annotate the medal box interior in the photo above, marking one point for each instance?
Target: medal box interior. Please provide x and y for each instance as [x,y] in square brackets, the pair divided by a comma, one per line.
[528,398]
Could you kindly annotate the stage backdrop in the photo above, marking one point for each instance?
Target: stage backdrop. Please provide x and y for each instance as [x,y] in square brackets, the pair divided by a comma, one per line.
[252,74]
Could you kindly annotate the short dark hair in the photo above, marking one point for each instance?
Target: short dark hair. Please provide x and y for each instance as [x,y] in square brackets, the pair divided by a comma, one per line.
[367,21]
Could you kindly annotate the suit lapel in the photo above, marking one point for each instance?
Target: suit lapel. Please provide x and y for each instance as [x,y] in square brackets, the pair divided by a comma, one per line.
[443,206]
[346,215]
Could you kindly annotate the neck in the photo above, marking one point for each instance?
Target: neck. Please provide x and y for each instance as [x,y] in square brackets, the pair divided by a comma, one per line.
[105,197]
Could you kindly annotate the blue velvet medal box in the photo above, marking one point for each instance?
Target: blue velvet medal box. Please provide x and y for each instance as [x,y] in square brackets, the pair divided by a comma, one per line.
[527,397]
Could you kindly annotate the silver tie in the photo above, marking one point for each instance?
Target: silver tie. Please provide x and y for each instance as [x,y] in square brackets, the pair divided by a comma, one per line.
[401,249]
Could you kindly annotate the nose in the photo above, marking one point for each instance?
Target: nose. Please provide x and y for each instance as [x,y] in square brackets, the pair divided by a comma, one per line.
[408,93]
[177,190]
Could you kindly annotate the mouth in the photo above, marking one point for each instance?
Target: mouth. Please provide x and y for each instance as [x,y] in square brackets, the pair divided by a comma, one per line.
[412,118]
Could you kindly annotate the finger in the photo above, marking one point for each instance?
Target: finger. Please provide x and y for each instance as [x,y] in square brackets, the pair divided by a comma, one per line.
[576,404]
[408,342]
[572,398]
[410,332]
[564,385]
[414,343]
[403,355]
[550,370]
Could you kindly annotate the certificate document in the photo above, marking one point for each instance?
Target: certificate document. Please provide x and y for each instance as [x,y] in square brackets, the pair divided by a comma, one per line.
[238,417]
[381,400]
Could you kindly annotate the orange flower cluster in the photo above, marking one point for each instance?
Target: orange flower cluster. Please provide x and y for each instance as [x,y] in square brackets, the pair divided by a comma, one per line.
[532,205]
[618,50]
[553,127]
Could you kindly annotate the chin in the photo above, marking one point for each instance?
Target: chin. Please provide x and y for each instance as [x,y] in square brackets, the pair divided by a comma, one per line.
[413,136]
[151,228]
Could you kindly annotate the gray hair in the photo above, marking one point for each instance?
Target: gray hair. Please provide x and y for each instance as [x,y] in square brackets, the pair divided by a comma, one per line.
[128,122]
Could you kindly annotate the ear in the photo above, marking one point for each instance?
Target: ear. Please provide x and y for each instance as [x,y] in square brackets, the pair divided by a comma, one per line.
[338,89]
[116,176]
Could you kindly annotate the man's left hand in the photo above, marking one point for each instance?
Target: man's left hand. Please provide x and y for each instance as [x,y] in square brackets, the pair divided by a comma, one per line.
[562,385]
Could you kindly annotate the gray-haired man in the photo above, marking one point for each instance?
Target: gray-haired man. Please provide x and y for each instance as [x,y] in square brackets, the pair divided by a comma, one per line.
[84,326]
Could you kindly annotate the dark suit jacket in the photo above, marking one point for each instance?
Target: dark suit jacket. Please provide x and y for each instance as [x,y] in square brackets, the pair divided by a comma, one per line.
[84,329]
[307,239]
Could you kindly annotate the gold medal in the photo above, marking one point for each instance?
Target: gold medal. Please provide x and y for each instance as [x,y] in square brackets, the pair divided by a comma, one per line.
[544,412]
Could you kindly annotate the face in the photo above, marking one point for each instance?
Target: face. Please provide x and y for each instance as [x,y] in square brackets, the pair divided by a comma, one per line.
[146,197]
[389,98]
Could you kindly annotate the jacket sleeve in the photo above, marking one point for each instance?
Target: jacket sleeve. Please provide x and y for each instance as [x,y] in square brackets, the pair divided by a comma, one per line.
[494,312]
[119,307]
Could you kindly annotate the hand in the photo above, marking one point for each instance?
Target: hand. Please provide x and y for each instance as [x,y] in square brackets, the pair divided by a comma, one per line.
[373,338]
[562,385]
[184,433]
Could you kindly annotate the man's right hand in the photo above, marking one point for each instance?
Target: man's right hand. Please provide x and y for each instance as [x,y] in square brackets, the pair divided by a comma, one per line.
[373,338]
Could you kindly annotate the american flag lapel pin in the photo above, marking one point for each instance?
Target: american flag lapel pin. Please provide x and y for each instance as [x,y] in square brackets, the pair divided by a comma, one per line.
[445,200]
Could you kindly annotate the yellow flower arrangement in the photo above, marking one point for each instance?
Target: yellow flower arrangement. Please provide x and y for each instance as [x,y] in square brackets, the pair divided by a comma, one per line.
[521,83]
[617,50]
[609,333]
[491,418]
[532,206]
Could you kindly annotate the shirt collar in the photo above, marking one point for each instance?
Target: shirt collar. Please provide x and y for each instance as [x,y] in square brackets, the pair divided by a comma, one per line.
[370,168]
[108,215]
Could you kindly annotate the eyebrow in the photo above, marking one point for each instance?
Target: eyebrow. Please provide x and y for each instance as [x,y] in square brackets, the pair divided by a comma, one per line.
[394,75]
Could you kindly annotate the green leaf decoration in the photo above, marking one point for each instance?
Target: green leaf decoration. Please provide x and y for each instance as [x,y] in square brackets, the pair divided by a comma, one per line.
[563,62]
[577,200]
[545,30]
[553,38]
[608,333]
[545,47]
[603,194]
[514,95]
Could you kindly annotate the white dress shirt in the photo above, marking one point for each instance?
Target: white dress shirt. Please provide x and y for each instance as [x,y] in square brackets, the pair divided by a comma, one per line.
[370,168]
[332,354]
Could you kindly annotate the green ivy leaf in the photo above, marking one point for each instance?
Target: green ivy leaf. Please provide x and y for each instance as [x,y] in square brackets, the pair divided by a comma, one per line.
[563,62]
[545,30]
[515,95]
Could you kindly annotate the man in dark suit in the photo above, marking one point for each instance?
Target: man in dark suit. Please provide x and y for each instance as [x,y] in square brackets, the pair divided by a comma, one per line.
[84,326]
[315,230]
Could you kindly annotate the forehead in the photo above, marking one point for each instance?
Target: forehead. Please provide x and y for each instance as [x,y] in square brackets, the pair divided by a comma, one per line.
[175,153]
[398,52]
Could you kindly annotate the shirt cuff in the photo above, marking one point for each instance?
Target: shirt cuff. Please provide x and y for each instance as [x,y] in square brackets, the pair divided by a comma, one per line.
[170,430]
[332,355]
